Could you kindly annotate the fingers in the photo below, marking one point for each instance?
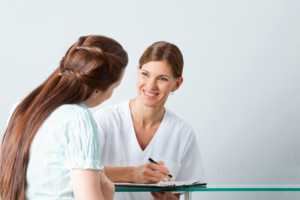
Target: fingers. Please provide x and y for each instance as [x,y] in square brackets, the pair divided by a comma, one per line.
[103,179]
[103,183]
[160,162]
[167,179]
[146,179]
[150,173]
[112,185]
[161,168]
[102,175]
[152,179]
[158,195]
[154,195]
[156,174]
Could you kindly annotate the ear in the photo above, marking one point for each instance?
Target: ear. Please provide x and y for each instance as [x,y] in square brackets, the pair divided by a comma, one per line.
[178,84]
[96,93]
[138,69]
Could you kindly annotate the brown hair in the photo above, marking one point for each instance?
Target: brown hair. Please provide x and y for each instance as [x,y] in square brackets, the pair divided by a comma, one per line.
[164,51]
[93,62]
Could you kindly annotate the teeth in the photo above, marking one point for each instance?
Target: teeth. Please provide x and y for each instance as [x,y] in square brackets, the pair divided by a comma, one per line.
[148,94]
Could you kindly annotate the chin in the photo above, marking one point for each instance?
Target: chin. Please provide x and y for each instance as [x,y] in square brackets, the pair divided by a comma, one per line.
[148,102]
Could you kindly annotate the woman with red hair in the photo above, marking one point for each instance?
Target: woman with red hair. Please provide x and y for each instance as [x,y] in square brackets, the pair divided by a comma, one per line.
[50,149]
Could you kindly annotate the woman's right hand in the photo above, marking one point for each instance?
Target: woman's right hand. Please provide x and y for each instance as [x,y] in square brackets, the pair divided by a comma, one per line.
[150,173]
[107,187]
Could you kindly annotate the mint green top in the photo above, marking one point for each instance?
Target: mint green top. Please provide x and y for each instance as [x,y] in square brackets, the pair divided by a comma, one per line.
[66,140]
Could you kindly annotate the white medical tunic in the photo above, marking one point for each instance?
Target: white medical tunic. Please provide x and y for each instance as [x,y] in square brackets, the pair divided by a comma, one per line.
[174,143]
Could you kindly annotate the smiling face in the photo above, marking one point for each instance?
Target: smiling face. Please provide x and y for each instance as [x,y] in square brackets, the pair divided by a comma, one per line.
[155,82]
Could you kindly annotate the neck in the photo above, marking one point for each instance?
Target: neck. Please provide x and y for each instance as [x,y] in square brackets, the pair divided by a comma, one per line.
[146,116]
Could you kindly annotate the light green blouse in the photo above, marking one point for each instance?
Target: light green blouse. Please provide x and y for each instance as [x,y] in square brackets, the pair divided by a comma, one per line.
[66,140]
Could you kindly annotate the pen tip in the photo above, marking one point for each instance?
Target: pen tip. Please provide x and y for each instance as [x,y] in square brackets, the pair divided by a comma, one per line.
[173,178]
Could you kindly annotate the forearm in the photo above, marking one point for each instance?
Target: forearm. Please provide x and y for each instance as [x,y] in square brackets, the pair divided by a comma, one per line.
[119,174]
[86,184]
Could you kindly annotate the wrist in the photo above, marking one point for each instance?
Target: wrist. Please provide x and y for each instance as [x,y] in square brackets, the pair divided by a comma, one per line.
[130,172]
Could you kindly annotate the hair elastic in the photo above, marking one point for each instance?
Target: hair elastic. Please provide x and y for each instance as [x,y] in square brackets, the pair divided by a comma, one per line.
[60,74]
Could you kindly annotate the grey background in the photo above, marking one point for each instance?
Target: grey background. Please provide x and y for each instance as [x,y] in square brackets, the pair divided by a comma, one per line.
[241,89]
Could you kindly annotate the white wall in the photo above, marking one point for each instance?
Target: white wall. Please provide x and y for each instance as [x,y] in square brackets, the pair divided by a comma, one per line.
[241,91]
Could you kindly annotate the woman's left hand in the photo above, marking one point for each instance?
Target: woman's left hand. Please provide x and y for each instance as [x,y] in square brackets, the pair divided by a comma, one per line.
[165,196]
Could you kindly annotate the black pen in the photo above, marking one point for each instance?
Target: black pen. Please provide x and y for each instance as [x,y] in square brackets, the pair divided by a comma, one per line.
[151,160]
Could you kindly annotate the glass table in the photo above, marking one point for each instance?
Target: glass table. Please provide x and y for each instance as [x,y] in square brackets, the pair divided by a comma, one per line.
[212,188]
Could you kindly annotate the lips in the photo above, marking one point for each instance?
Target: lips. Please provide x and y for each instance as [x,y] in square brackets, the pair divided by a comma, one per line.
[150,94]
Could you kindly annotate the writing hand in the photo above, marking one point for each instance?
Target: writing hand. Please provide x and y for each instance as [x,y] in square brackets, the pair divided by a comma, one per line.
[150,173]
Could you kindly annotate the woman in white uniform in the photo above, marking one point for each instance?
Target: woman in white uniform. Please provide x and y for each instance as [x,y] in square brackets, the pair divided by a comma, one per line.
[133,131]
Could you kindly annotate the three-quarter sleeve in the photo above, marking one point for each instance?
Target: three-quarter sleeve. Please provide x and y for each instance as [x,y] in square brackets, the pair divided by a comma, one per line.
[81,144]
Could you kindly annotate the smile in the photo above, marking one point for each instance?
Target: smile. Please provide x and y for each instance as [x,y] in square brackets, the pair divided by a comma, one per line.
[150,94]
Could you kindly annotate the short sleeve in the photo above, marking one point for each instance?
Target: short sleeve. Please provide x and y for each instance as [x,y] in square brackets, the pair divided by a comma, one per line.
[192,166]
[81,144]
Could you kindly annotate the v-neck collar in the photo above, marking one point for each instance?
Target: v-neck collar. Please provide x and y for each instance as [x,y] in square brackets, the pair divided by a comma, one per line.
[132,131]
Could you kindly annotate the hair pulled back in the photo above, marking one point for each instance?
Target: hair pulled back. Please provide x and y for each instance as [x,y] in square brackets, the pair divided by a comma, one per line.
[164,51]
[93,62]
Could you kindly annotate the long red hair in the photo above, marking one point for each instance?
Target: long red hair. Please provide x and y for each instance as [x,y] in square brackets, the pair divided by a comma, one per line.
[93,62]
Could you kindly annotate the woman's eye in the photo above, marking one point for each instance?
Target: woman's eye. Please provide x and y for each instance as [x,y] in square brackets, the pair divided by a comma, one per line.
[163,79]
[145,74]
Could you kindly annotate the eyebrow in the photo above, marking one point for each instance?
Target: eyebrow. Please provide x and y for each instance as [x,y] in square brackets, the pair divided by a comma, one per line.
[158,75]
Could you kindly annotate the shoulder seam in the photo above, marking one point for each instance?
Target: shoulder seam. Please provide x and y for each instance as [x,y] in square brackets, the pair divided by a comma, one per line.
[75,112]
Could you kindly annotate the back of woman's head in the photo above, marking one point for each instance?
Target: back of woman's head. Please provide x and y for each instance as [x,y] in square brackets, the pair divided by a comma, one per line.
[93,62]
[164,51]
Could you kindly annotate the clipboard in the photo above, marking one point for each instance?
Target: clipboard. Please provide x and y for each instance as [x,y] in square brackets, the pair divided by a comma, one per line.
[173,184]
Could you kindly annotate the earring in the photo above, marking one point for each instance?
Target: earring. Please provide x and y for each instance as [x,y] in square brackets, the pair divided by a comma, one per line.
[172,93]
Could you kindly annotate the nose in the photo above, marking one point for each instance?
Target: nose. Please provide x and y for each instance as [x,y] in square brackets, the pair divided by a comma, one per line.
[152,84]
